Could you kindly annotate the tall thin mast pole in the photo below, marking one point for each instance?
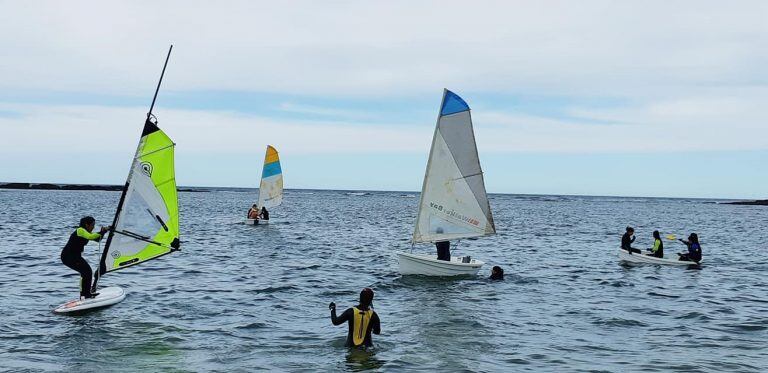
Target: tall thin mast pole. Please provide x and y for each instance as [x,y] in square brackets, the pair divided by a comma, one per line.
[159,82]
[103,260]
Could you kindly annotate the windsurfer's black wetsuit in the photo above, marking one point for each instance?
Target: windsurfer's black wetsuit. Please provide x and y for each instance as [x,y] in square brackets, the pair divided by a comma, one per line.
[443,250]
[71,256]
[626,243]
[358,320]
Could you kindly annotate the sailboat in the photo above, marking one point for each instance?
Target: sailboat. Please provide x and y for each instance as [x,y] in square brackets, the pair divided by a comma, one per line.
[271,187]
[453,203]
[146,223]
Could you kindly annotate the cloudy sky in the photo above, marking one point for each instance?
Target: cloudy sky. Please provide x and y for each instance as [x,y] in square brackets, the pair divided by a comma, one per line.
[643,98]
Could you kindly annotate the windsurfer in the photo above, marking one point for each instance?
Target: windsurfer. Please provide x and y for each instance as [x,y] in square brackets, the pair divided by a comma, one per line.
[362,320]
[71,254]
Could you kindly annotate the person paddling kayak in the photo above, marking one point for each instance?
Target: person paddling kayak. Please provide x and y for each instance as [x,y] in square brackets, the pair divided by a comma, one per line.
[627,239]
[362,320]
[71,254]
[694,249]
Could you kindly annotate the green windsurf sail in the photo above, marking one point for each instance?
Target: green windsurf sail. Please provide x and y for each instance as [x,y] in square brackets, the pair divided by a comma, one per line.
[146,224]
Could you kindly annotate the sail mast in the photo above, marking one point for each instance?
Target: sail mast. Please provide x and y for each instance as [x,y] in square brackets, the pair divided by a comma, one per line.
[102,261]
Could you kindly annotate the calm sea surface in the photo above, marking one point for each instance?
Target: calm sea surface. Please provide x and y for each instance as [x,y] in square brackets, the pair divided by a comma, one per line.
[243,298]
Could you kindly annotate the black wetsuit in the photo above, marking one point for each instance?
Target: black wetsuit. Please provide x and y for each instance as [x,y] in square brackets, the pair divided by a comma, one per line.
[71,256]
[265,214]
[374,326]
[626,243]
[443,250]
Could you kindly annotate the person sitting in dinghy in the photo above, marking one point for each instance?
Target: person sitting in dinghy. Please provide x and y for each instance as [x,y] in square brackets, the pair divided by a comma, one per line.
[264,214]
[443,248]
[658,247]
[627,239]
[694,249]
[362,320]
[253,212]
[71,254]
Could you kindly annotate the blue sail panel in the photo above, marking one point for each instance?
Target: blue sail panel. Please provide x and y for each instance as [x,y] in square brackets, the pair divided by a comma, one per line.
[453,104]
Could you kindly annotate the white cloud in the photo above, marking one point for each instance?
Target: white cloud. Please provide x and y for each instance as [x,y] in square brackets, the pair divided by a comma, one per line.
[385,48]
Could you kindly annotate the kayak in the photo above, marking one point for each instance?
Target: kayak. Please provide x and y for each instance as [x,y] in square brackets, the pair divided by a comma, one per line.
[645,258]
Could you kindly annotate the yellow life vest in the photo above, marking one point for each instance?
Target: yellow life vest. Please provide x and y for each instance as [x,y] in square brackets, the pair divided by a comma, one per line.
[361,319]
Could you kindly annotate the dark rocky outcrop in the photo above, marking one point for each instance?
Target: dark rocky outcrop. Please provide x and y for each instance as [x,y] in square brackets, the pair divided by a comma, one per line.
[760,202]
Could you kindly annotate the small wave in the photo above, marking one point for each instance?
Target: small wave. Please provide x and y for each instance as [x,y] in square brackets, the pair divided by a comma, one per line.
[358,194]
[617,321]
[253,325]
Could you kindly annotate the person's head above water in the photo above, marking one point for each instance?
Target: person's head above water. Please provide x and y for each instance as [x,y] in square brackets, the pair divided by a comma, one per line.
[88,222]
[497,273]
[366,298]
[656,235]
[630,230]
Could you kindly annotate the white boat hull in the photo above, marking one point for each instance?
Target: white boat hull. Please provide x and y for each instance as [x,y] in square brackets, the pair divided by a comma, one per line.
[428,265]
[643,258]
[256,221]
[107,297]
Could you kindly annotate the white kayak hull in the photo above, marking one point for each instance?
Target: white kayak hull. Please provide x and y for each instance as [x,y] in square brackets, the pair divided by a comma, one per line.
[107,297]
[428,265]
[643,258]
[256,221]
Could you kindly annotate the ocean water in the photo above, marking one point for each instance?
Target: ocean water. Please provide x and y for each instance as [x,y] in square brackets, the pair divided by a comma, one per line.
[244,298]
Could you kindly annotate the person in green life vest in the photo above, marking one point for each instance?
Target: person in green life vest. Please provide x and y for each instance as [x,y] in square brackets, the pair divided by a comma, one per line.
[658,247]
[362,320]
[71,254]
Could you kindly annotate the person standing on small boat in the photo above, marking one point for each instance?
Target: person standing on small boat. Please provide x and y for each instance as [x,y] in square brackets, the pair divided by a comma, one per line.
[362,320]
[694,249]
[658,247]
[627,239]
[71,254]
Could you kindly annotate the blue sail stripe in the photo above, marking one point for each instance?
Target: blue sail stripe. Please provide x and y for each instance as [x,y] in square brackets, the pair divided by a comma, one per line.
[271,169]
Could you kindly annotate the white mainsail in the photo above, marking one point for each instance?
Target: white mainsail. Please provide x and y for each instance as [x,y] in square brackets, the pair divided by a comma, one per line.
[453,202]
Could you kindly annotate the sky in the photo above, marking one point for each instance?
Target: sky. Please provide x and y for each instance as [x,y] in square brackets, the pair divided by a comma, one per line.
[632,98]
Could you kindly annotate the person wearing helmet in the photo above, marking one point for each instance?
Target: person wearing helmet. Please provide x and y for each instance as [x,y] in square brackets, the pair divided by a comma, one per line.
[362,320]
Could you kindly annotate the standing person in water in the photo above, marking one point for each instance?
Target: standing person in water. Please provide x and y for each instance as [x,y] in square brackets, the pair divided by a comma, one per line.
[253,212]
[71,254]
[627,239]
[362,320]
[264,214]
[658,247]
[694,249]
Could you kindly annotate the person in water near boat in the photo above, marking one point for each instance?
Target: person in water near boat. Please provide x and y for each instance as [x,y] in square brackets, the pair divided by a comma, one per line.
[71,254]
[627,239]
[658,247]
[264,214]
[694,249]
[253,212]
[362,320]
[497,273]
